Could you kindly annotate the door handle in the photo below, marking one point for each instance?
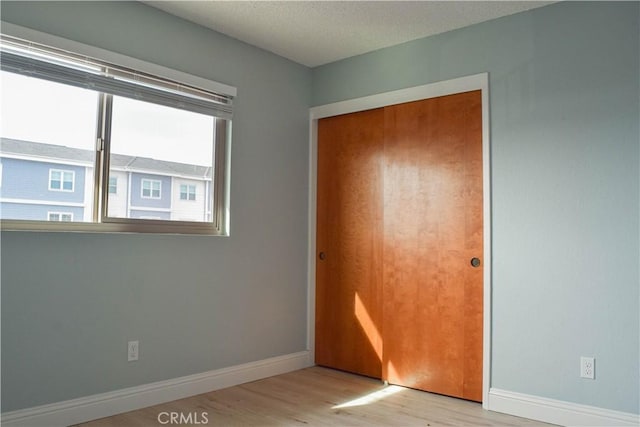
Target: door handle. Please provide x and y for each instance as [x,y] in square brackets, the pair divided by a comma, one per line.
[475,262]
[322,256]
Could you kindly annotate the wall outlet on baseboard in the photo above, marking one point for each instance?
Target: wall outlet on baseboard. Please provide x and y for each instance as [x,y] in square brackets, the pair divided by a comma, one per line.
[587,367]
[132,351]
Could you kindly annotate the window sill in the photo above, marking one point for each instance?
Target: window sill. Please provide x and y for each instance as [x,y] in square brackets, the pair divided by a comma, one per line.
[159,227]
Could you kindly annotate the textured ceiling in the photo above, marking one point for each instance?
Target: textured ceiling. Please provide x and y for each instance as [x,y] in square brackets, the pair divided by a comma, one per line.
[318,32]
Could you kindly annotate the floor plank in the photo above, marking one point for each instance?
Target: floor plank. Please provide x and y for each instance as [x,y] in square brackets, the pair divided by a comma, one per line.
[317,397]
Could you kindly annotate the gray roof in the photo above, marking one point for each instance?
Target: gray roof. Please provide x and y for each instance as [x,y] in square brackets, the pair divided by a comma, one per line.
[118,161]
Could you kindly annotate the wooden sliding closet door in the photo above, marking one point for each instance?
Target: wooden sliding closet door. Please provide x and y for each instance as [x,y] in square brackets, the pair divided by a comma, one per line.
[349,242]
[432,309]
[399,243]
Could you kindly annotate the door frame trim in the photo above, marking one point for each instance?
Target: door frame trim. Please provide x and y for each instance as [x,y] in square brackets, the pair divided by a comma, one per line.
[416,93]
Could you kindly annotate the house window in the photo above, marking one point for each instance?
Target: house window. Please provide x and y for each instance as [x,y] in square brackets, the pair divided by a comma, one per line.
[116,123]
[151,189]
[113,185]
[61,180]
[60,216]
[187,192]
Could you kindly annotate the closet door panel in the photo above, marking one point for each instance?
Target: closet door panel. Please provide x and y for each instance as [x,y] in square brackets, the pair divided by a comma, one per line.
[432,295]
[349,243]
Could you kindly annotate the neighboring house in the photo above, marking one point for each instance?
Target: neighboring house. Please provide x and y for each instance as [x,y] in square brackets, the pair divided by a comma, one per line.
[54,183]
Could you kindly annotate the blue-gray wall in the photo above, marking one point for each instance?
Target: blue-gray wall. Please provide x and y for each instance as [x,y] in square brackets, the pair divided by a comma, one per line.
[565,184]
[565,160]
[70,301]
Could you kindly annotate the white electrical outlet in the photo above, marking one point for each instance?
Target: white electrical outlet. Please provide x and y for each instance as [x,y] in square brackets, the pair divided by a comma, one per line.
[132,351]
[587,367]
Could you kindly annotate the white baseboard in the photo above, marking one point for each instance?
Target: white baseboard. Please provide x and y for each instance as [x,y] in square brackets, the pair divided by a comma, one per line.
[557,411]
[107,404]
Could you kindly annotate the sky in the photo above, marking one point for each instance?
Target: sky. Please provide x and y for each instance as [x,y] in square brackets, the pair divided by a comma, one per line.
[42,111]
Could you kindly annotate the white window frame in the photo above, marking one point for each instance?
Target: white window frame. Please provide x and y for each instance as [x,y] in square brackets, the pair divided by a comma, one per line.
[151,189]
[219,225]
[62,180]
[60,215]
[188,193]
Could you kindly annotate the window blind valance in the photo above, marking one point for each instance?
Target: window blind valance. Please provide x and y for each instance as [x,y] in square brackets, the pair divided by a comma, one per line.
[38,61]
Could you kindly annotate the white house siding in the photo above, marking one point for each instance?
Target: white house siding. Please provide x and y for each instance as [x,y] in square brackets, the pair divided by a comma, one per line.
[118,201]
[88,195]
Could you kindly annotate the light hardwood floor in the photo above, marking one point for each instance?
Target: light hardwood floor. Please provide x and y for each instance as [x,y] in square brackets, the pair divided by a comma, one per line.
[317,397]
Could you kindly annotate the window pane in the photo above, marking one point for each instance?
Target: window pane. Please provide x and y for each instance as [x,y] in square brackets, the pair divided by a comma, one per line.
[113,185]
[67,183]
[61,180]
[55,182]
[187,192]
[48,132]
[165,156]
[60,216]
